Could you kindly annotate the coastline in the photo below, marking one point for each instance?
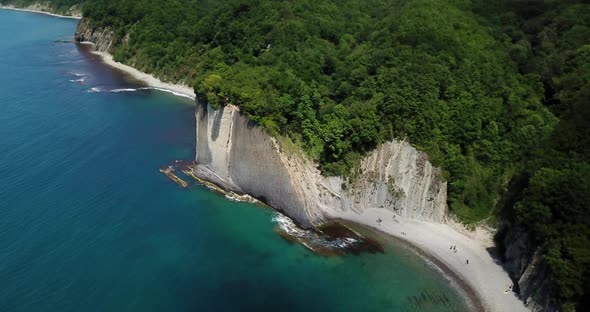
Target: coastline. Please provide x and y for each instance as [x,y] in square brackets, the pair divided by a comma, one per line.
[149,80]
[483,281]
[465,290]
[32,10]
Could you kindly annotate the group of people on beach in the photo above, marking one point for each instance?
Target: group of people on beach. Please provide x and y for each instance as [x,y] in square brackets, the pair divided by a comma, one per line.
[454,249]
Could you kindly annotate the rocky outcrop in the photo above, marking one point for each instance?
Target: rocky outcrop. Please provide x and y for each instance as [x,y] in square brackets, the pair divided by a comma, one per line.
[101,38]
[233,152]
[523,262]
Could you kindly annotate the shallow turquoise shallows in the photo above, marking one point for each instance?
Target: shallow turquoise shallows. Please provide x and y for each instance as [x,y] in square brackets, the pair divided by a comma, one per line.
[87,223]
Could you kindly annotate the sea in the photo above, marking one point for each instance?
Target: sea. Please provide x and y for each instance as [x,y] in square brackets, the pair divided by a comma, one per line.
[88,223]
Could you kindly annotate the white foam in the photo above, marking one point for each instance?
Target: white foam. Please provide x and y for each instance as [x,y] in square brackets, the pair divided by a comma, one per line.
[123,90]
[287,225]
[81,80]
[151,88]
[169,91]
[94,90]
[240,198]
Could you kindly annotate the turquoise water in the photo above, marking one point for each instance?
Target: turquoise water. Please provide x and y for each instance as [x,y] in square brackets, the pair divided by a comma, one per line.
[87,223]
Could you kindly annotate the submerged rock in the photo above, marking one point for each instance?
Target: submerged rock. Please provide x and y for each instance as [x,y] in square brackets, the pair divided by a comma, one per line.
[330,239]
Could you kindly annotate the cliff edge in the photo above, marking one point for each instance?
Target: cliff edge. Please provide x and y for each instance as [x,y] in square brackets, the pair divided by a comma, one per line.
[240,156]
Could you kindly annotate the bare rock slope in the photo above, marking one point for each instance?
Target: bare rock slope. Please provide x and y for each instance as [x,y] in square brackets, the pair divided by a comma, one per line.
[235,153]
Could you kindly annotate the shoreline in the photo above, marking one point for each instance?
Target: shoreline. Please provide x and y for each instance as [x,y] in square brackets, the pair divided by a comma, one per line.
[483,282]
[482,291]
[465,290]
[482,285]
[31,10]
[148,79]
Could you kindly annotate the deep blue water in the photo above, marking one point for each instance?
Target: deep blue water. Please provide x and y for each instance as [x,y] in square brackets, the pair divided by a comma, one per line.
[87,223]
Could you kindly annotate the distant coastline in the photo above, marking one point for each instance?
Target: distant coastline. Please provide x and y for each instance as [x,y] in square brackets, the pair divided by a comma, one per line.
[34,10]
[107,58]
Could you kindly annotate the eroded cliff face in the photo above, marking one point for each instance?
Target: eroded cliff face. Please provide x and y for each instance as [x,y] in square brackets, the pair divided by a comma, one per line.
[233,152]
[101,38]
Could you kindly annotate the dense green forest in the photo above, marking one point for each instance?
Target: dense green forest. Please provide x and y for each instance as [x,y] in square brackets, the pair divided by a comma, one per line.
[496,92]
[341,77]
[552,41]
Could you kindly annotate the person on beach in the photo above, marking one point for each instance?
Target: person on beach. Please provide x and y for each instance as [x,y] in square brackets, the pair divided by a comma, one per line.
[467,261]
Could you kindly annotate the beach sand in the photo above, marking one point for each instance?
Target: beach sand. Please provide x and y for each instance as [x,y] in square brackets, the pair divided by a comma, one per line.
[149,80]
[483,276]
[32,9]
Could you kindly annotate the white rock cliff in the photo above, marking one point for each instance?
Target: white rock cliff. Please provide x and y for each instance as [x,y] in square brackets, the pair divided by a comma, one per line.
[238,155]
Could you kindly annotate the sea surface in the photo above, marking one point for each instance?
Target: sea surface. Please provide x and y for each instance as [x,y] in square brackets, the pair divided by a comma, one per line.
[87,223]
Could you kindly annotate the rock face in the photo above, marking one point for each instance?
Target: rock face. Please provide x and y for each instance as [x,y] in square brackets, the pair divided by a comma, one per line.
[523,262]
[102,38]
[238,155]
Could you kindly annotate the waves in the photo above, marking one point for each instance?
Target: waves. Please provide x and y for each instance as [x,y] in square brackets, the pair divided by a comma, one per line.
[79,77]
[120,90]
[170,91]
[312,239]
[240,198]
[80,80]
[124,90]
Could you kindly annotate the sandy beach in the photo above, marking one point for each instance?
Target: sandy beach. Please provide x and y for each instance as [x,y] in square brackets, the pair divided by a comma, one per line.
[149,80]
[33,9]
[482,275]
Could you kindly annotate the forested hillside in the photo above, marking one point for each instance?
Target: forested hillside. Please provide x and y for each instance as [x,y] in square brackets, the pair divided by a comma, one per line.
[496,92]
[340,77]
[552,41]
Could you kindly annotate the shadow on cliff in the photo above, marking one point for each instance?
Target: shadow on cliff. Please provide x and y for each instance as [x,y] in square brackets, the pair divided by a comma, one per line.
[217,123]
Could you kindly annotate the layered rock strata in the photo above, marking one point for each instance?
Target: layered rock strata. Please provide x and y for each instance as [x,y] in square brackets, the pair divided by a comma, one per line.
[233,152]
